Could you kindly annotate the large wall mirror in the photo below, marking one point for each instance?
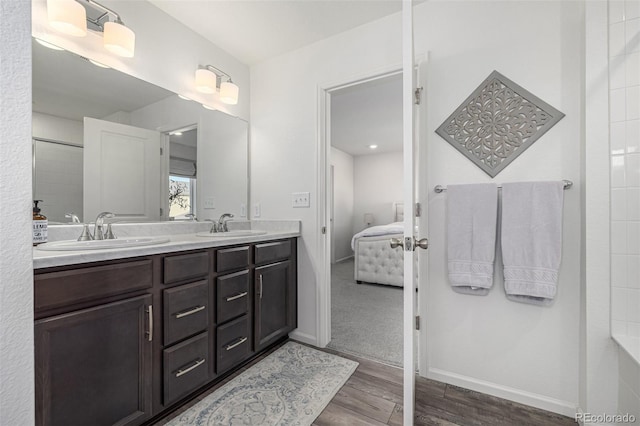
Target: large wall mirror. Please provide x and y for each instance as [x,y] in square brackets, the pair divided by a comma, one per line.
[106,141]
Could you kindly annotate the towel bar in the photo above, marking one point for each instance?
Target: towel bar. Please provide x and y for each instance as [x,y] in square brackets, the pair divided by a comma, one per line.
[439,188]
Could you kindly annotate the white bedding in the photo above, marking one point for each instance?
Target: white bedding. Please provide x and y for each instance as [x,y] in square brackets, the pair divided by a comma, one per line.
[373,231]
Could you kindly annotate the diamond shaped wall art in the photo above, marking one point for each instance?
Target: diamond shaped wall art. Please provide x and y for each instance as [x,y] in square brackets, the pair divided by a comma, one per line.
[498,122]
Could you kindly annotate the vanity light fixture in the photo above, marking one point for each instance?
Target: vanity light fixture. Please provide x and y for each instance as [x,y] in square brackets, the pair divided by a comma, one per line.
[74,17]
[207,82]
[208,107]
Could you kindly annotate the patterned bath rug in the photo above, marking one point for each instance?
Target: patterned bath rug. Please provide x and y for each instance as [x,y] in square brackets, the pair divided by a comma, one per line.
[291,386]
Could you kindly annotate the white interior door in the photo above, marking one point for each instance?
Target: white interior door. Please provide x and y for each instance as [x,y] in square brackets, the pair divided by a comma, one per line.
[409,148]
[122,171]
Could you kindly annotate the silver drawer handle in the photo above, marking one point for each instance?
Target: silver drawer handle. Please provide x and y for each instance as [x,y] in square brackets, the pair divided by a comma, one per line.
[186,370]
[238,343]
[190,312]
[150,332]
[237,296]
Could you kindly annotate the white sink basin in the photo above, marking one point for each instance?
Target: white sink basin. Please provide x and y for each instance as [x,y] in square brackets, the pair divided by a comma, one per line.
[70,245]
[230,234]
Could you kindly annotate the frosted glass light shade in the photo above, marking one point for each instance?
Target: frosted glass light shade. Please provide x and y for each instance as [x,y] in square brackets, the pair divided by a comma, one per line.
[119,39]
[67,16]
[229,93]
[206,81]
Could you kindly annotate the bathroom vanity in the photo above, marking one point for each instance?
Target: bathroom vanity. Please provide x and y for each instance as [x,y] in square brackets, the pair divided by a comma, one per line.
[124,340]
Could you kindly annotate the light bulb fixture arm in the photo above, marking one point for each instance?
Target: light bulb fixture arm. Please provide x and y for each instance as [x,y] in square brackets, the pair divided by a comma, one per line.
[99,20]
[216,71]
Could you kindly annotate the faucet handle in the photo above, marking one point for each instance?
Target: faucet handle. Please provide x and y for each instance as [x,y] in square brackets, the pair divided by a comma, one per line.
[108,235]
[214,226]
[86,235]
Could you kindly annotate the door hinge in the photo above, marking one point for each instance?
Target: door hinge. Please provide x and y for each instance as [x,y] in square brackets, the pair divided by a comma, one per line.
[323,230]
[161,151]
[161,211]
[417,322]
[418,95]
[418,209]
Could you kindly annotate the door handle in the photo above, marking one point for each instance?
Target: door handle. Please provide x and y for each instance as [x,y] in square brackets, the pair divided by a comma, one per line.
[423,243]
[396,242]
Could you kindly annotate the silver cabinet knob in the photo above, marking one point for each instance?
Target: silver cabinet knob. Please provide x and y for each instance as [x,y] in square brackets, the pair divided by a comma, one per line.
[396,242]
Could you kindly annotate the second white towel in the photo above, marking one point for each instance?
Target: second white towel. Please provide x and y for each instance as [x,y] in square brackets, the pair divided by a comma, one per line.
[471,236]
[531,240]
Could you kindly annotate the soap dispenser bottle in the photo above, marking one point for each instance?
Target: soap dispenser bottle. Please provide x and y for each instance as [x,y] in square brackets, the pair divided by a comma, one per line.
[40,225]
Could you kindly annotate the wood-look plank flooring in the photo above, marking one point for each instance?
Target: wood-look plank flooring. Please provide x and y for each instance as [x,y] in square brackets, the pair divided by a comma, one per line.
[373,396]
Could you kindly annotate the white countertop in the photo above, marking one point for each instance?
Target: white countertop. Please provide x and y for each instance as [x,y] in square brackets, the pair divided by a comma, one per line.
[177,242]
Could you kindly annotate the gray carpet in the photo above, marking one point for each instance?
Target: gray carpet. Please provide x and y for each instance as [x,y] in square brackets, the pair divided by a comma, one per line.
[366,319]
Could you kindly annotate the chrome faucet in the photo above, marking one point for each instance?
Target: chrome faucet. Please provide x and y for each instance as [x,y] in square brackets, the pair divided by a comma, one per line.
[98,234]
[74,218]
[222,222]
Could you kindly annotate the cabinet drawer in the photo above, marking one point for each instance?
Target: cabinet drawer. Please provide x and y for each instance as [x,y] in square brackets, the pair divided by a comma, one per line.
[233,296]
[56,289]
[186,367]
[271,252]
[186,310]
[185,266]
[233,343]
[232,258]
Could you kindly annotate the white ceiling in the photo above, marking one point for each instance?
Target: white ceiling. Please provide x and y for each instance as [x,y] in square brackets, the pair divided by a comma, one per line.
[368,113]
[254,30]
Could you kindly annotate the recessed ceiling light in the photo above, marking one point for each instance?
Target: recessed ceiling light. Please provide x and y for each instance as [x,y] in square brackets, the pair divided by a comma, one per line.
[184,97]
[98,64]
[209,107]
[373,146]
[176,133]
[49,45]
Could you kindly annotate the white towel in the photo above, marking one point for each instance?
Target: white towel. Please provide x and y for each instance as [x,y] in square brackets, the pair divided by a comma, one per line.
[471,236]
[531,240]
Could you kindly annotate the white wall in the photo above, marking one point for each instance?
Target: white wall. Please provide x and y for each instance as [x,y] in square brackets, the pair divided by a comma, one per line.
[377,186]
[342,204]
[16,274]
[598,354]
[60,129]
[167,53]
[522,352]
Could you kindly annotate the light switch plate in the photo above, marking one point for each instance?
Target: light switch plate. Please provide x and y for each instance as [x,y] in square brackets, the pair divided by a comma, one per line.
[301,199]
[256,210]
[209,203]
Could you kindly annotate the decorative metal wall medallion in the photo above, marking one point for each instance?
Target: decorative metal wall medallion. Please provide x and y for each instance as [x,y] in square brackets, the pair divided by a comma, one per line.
[498,122]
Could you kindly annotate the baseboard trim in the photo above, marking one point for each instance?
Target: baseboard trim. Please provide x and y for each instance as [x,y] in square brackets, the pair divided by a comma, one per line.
[304,338]
[558,406]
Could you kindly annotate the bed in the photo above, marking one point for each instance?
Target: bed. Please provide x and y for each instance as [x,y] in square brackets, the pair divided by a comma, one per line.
[375,261]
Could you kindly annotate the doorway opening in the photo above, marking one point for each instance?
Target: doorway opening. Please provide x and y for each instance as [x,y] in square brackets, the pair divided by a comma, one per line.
[365,209]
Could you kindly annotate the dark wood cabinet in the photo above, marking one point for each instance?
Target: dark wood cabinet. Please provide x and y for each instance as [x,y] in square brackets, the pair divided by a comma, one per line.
[121,342]
[275,298]
[93,366]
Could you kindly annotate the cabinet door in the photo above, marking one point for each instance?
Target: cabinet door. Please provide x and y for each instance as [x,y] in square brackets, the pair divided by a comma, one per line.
[93,367]
[274,303]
